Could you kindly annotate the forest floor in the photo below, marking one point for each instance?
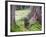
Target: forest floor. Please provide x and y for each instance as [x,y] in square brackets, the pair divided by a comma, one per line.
[20,26]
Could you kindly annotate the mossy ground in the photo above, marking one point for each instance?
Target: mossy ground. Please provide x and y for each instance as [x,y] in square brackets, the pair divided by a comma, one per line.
[20,26]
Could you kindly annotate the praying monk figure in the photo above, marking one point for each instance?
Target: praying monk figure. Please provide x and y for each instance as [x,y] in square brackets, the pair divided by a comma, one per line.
[34,15]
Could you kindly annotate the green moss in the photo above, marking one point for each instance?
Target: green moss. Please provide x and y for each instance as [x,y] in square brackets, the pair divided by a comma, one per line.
[35,27]
[19,26]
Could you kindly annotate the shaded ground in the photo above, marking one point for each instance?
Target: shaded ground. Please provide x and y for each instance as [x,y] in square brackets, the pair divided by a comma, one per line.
[20,26]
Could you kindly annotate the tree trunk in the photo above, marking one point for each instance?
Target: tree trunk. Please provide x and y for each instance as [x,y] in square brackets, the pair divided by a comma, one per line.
[12,14]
